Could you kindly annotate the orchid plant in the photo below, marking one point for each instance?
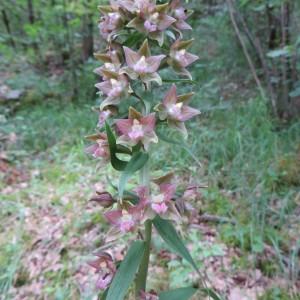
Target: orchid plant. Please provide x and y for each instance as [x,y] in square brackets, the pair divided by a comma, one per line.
[129,122]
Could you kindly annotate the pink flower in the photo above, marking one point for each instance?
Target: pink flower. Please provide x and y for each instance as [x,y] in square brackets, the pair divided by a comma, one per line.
[137,129]
[152,20]
[125,219]
[111,64]
[115,89]
[100,148]
[135,6]
[106,269]
[111,22]
[142,65]
[160,203]
[180,14]
[174,109]
[180,58]
[103,116]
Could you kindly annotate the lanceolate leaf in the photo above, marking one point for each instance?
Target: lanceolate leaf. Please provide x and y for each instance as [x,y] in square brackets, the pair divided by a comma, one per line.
[115,162]
[104,295]
[210,293]
[136,162]
[168,233]
[126,272]
[179,81]
[178,294]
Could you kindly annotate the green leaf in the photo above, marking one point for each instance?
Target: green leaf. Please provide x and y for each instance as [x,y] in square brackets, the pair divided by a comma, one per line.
[278,53]
[210,293]
[179,81]
[136,162]
[133,39]
[104,295]
[126,272]
[178,294]
[115,162]
[168,233]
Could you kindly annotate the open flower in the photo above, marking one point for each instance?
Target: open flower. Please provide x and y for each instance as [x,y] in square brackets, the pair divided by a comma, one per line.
[111,21]
[101,146]
[111,64]
[180,59]
[160,203]
[103,116]
[125,220]
[135,6]
[174,109]
[137,129]
[152,20]
[142,65]
[157,203]
[106,269]
[116,88]
[180,14]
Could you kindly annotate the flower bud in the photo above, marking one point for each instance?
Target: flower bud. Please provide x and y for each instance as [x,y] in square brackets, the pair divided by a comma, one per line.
[105,199]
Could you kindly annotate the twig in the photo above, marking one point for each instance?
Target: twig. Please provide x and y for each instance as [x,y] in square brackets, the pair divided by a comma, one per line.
[205,218]
[245,50]
[258,48]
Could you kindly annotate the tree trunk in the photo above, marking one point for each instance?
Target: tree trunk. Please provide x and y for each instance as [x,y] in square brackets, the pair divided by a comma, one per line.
[30,8]
[7,26]
[285,62]
[88,38]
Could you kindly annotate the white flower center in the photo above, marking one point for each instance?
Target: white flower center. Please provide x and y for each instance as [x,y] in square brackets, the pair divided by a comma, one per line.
[136,131]
[114,17]
[179,13]
[117,88]
[175,110]
[141,65]
[180,55]
[158,199]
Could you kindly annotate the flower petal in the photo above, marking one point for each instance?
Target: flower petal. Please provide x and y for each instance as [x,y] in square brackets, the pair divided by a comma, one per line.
[113,216]
[131,56]
[153,63]
[168,189]
[148,122]
[189,59]
[182,25]
[171,96]
[188,112]
[124,125]
[165,21]
[105,86]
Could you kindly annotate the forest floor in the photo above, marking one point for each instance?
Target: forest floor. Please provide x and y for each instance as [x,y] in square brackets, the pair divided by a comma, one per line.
[245,235]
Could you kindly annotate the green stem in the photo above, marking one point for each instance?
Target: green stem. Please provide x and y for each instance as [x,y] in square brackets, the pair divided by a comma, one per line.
[142,274]
[141,278]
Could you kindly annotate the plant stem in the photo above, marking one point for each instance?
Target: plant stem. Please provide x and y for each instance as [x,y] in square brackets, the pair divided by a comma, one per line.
[141,278]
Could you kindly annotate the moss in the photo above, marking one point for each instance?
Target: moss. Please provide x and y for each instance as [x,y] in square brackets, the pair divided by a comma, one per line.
[289,170]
